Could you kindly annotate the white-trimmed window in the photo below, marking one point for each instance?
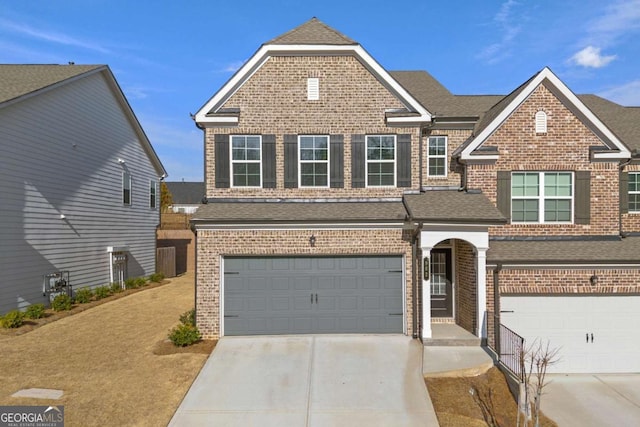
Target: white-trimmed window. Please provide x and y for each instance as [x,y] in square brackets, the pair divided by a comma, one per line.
[437,156]
[153,194]
[634,192]
[542,197]
[313,155]
[246,161]
[126,188]
[381,161]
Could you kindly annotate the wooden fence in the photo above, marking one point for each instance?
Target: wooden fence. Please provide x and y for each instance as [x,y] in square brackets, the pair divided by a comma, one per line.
[166,261]
[174,221]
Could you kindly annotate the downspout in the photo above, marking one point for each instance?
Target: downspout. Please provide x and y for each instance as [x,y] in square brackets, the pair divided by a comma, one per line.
[195,273]
[496,308]
[620,172]
[414,280]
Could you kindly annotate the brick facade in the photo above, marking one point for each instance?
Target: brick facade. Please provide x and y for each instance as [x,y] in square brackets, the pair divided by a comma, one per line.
[215,244]
[465,292]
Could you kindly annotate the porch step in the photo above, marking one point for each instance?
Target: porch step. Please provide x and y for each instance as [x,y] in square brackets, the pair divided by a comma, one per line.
[450,335]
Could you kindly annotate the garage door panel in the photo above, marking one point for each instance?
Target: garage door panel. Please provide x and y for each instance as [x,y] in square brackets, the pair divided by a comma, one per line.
[278,295]
[567,321]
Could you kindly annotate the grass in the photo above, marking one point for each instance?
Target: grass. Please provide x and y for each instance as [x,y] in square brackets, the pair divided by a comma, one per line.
[111,361]
[456,407]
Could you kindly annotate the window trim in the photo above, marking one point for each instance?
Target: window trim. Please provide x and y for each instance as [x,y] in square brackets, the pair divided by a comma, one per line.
[127,184]
[636,176]
[153,194]
[233,162]
[541,198]
[301,162]
[444,156]
[394,161]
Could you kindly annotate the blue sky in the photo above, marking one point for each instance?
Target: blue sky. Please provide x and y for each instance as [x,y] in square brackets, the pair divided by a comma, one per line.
[170,57]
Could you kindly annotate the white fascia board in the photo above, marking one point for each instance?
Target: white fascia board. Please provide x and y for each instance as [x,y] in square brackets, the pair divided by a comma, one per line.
[218,121]
[306,226]
[547,74]
[263,54]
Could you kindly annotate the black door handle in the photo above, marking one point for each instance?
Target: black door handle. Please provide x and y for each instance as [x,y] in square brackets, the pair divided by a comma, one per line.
[316,298]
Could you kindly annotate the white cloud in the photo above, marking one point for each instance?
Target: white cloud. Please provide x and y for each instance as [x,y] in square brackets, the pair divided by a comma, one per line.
[507,28]
[50,36]
[592,58]
[626,94]
[231,67]
[618,20]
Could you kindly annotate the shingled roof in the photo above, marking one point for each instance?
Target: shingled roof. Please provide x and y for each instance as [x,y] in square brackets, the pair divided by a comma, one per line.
[453,206]
[313,32]
[186,193]
[17,80]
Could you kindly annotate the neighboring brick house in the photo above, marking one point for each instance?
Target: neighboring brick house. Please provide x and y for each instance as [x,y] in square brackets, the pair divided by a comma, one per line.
[333,185]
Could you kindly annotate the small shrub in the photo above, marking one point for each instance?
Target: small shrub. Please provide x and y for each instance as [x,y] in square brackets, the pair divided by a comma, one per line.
[156,277]
[116,288]
[102,292]
[13,319]
[35,311]
[83,295]
[130,284]
[184,335]
[188,317]
[140,282]
[61,302]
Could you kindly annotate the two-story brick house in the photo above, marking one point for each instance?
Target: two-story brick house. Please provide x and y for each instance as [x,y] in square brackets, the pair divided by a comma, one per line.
[344,198]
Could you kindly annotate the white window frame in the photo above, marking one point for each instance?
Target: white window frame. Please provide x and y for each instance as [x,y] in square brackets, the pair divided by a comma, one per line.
[153,194]
[637,192]
[437,156]
[368,162]
[233,162]
[126,185]
[541,198]
[301,162]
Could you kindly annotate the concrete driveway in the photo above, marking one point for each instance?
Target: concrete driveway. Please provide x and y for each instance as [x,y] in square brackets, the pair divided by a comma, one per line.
[593,400]
[344,380]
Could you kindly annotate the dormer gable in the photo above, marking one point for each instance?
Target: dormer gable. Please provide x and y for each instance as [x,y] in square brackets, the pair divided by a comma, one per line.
[312,39]
[612,147]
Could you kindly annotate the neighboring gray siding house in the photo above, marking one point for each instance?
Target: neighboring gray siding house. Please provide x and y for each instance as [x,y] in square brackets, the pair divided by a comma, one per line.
[79,181]
[187,196]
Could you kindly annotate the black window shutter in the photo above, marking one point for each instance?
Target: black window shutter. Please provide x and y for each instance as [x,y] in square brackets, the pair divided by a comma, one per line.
[583,197]
[222,160]
[290,161]
[336,168]
[358,161]
[404,160]
[624,192]
[268,161]
[503,196]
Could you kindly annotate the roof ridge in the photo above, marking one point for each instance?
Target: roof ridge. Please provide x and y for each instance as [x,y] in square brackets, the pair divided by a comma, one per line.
[313,31]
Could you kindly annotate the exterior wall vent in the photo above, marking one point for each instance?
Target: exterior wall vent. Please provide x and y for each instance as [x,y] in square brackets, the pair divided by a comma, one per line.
[313,89]
[541,122]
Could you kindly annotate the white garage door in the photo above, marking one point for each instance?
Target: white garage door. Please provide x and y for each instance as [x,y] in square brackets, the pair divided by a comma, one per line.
[569,322]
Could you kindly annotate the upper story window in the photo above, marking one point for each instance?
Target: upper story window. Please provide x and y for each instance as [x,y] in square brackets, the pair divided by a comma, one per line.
[437,155]
[541,122]
[542,197]
[126,188]
[314,161]
[153,194]
[634,192]
[246,161]
[381,161]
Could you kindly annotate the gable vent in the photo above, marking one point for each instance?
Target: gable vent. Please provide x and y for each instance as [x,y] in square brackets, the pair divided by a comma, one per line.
[541,122]
[313,89]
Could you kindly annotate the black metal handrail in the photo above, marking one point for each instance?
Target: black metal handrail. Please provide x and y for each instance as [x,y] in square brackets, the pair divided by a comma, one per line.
[509,346]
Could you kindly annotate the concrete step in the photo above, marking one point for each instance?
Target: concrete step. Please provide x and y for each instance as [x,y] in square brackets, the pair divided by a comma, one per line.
[452,342]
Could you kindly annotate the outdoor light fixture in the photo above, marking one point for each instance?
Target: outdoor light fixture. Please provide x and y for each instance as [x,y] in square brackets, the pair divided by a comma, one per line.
[312,241]
[594,280]
[121,161]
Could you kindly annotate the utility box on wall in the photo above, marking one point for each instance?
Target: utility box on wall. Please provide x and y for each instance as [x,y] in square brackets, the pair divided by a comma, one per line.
[55,284]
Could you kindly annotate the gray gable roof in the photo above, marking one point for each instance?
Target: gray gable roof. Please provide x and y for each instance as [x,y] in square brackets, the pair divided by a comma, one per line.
[313,32]
[17,80]
[453,206]
[186,193]
[623,121]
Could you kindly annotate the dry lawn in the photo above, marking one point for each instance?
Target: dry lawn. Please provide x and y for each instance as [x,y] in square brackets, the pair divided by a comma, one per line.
[111,361]
[493,403]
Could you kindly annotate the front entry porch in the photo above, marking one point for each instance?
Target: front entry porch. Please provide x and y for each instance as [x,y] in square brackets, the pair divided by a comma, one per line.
[450,335]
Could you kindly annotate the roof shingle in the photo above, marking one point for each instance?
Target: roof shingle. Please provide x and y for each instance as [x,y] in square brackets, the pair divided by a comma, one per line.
[313,32]
[453,206]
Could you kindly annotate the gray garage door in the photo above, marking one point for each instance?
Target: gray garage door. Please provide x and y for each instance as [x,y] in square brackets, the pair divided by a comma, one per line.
[304,295]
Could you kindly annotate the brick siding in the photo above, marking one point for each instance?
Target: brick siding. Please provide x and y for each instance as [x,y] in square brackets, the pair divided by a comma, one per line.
[569,281]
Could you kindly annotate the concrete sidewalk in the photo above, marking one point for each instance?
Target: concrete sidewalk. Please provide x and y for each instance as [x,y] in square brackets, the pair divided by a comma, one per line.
[373,380]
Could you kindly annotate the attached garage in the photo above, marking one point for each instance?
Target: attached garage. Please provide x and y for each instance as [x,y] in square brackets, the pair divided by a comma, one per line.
[595,334]
[320,295]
